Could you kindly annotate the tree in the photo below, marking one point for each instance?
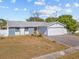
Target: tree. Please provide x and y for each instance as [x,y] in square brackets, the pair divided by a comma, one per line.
[70,23]
[35,19]
[3,23]
[50,19]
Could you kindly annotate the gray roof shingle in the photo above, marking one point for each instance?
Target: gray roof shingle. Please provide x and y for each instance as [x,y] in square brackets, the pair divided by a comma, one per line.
[25,24]
[29,24]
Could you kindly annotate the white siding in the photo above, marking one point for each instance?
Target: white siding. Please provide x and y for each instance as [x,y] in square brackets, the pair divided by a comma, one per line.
[4,32]
[26,32]
[22,32]
[77,31]
[56,29]
[17,33]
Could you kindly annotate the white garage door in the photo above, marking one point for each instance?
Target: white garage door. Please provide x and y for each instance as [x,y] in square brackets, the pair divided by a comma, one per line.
[56,31]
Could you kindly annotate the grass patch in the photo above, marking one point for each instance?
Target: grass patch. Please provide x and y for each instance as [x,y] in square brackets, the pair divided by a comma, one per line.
[71,56]
[26,47]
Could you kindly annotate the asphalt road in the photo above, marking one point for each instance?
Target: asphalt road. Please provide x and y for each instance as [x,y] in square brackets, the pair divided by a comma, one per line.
[68,40]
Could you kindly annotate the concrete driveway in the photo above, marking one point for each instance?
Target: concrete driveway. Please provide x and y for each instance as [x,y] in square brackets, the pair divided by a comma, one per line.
[68,40]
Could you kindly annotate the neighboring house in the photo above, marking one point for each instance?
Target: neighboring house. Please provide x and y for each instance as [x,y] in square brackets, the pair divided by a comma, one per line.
[77,31]
[27,28]
[78,28]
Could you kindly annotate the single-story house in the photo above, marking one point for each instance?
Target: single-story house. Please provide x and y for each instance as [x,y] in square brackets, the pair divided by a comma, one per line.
[27,28]
[77,28]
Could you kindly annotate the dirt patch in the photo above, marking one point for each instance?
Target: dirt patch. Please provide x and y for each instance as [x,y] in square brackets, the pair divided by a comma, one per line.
[26,47]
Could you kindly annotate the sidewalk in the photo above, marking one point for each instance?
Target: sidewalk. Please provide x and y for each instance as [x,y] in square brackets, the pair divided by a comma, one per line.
[58,53]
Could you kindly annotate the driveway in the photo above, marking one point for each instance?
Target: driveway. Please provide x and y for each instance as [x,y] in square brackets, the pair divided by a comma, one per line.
[68,40]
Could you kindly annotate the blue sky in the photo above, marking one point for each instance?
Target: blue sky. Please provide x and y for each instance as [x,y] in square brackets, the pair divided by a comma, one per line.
[23,9]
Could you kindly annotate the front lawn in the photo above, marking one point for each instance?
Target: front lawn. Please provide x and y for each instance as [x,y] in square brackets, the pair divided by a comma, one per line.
[26,47]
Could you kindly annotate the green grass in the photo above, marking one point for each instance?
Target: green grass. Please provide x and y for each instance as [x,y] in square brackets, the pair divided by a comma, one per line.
[26,47]
[71,56]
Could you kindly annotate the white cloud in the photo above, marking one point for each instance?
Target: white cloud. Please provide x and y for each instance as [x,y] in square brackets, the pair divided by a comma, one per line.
[50,10]
[76,18]
[39,2]
[76,4]
[13,1]
[4,7]
[67,5]
[59,4]
[1,1]
[29,0]
[67,10]
[16,9]
[57,0]
[25,9]
[53,8]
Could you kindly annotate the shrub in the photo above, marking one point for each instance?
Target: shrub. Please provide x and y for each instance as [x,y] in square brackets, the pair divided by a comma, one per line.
[1,38]
[39,35]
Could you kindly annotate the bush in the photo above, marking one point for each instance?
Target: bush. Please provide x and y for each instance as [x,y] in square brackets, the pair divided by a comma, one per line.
[39,35]
[1,38]
[54,41]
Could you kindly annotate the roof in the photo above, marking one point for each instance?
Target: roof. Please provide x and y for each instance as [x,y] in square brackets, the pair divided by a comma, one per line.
[52,23]
[25,24]
[30,24]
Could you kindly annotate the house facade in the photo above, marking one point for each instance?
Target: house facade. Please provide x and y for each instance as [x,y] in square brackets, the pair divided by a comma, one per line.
[27,28]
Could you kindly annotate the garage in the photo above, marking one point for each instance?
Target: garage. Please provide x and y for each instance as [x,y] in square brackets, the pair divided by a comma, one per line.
[56,29]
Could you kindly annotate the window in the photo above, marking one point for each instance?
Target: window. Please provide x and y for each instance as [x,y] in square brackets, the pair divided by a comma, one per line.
[26,29]
[17,29]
